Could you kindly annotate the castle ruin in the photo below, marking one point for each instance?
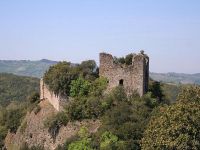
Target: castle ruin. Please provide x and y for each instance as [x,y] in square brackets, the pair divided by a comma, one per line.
[57,101]
[134,77]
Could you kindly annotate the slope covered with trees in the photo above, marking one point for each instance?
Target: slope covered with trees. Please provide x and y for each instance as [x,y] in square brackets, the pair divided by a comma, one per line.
[26,67]
[18,94]
[154,121]
[16,88]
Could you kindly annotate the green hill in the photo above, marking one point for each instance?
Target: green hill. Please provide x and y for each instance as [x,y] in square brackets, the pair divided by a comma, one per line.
[37,69]
[25,67]
[176,78]
[16,88]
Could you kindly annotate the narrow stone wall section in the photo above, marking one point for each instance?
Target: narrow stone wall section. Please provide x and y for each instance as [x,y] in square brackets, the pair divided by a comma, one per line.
[53,99]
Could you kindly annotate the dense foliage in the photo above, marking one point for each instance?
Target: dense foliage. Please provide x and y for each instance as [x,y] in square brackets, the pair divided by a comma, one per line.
[60,76]
[17,96]
[54,123]
[176,126]
[127,122]
[16,88]
[124,60]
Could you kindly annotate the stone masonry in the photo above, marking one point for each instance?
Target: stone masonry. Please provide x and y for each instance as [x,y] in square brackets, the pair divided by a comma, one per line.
[133,77]
[56,100]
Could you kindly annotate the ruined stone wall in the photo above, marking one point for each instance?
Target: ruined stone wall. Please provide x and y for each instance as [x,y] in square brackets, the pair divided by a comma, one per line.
[56,100]
[133,77]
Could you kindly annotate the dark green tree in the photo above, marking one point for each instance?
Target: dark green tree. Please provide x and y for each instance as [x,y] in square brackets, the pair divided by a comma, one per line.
[175,127]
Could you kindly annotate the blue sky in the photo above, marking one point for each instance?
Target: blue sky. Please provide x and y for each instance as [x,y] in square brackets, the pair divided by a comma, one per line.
[75,30]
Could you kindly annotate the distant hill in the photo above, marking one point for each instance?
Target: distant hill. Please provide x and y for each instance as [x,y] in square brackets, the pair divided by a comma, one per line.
[38,68]
[16,88]
[176,78]
[25,67]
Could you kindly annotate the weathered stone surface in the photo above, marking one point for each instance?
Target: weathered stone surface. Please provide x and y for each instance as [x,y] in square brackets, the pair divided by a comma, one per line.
[56,100]
[35,133]
[133,77]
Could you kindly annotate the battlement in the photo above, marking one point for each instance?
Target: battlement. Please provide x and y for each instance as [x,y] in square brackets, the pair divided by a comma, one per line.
[133,77]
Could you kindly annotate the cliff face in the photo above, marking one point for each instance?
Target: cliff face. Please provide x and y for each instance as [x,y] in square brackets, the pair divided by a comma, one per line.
[33,132]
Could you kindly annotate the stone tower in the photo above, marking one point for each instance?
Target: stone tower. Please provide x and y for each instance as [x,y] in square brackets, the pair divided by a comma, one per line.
[133,77]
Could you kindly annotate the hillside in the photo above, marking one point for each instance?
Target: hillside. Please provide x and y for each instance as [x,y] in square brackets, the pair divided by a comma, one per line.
[176,78]
[25,67]
[38,68]
[16,88]
[34,133]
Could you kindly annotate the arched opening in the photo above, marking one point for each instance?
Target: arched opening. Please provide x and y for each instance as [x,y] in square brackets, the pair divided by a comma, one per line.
[121,82]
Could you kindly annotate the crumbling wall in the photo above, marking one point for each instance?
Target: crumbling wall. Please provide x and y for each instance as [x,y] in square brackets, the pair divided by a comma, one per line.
[133,77]
[56,100]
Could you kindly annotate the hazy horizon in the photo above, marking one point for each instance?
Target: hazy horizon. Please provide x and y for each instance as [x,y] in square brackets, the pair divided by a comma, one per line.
[77,30]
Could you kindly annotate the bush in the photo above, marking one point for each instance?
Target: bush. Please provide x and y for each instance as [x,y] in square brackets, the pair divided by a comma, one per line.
[84,143]
[174,127]
[98,87]
[26,147]
[59,76]
[189,94]
[37,109]
[13,119]
[34,97]
[55,122]
[3,133]
[23,126]
[124,60]
[70,140]
[79,87]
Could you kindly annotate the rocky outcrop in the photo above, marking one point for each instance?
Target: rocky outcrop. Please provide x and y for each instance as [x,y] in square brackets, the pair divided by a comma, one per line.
[33,131]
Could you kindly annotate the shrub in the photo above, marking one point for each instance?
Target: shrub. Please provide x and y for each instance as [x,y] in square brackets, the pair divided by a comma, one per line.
[79,87]
[34,97]
[70,140]
[26,147]
[175,127]
[59,77]
[189,94]
[37,109]
[98,86]
[23,126]
[54,123]
[13,119]
[3,133]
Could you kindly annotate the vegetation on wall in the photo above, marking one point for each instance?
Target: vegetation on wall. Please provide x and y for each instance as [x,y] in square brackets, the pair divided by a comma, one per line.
[60,76]
[124,60]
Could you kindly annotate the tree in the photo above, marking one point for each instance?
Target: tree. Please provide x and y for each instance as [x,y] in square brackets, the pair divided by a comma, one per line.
[59,77]
[84,143]
[13,119]
[79,87]
[175,127]
[109,141]
[89,69]
[156,90]
[124,60]
[189,94]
